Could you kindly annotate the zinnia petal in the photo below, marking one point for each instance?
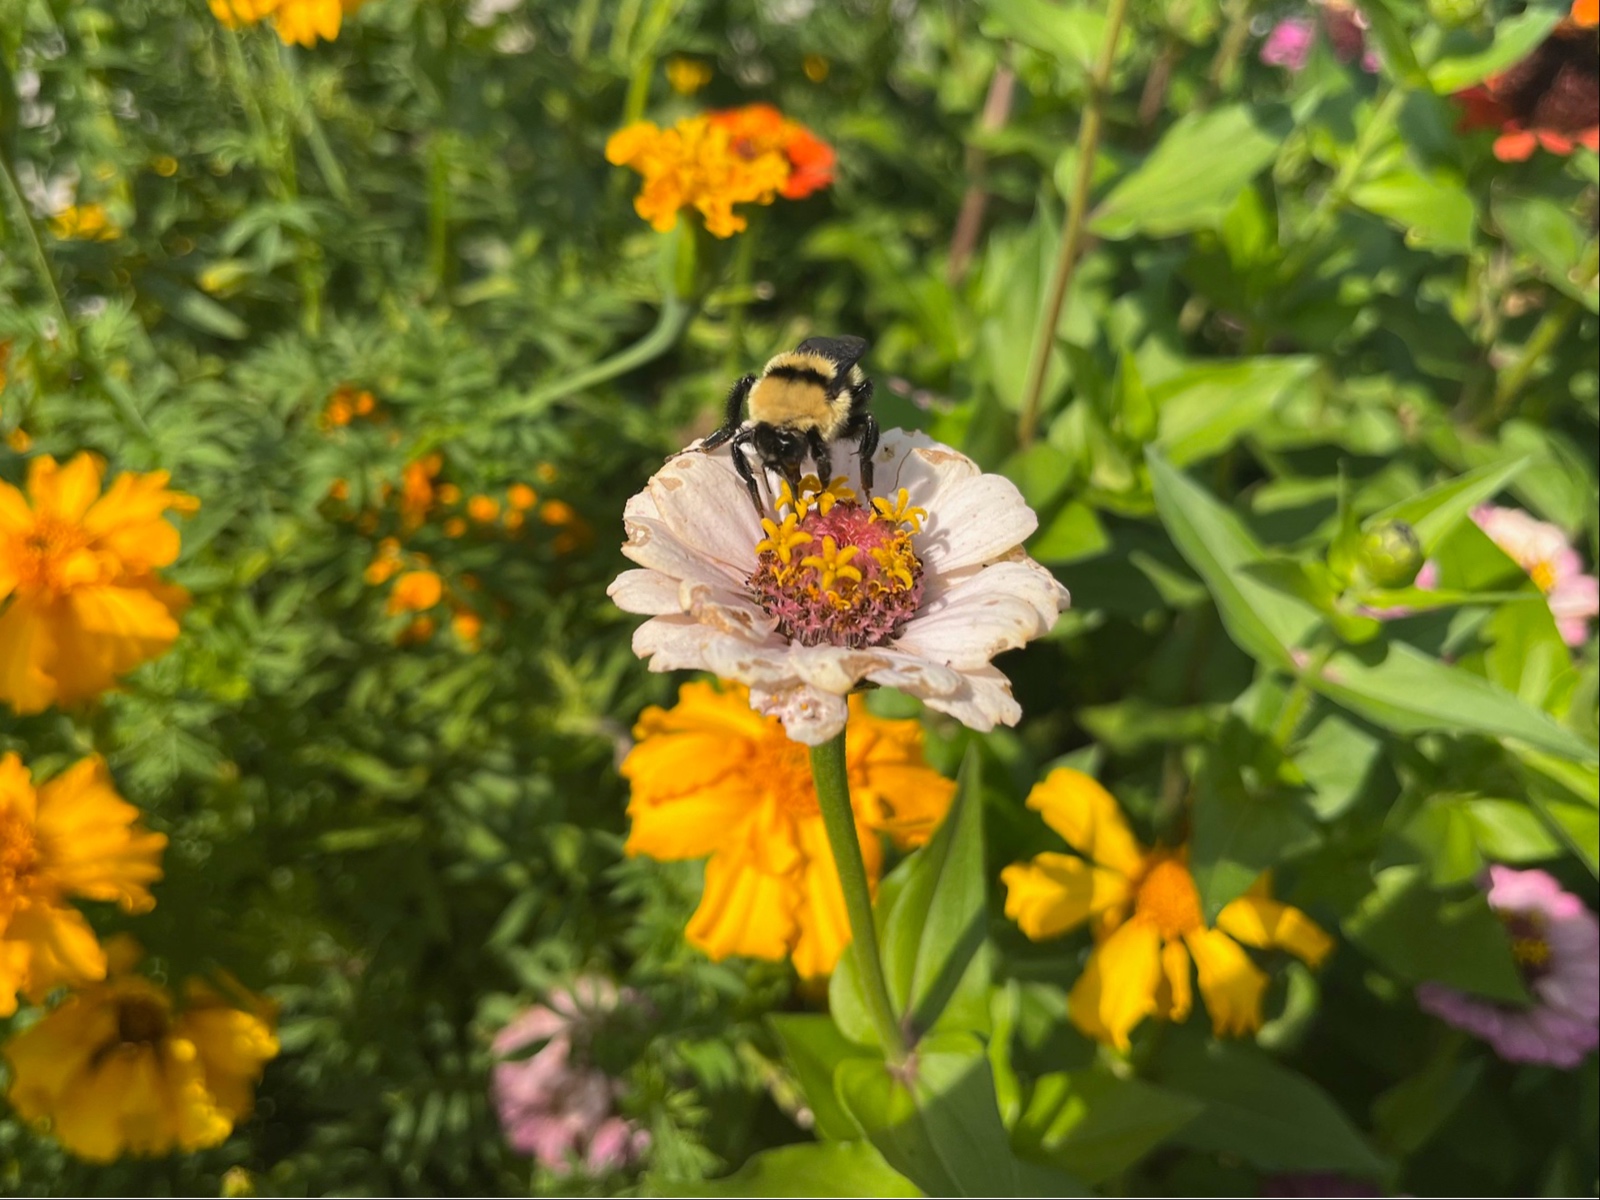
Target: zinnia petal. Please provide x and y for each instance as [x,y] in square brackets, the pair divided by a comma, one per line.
[1231,984]
[1087,816]
[1055,893]
[1117,989]
[1175,973]
[1262,922]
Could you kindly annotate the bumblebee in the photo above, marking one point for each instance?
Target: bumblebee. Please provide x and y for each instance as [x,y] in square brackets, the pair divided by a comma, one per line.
[803,401]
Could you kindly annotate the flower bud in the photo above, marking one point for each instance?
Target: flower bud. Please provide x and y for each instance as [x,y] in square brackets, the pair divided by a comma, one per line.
[1390,555]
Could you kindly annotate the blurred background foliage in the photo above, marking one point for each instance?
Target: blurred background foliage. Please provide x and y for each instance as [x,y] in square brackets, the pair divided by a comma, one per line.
[1306,289]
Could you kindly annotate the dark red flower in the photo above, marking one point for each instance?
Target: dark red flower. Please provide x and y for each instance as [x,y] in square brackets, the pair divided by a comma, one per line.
[1550,99]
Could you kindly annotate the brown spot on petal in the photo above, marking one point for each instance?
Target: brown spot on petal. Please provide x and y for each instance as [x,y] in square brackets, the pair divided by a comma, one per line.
[671,482]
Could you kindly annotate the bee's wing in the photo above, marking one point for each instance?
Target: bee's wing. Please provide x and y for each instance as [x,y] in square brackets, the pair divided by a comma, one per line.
[843,352]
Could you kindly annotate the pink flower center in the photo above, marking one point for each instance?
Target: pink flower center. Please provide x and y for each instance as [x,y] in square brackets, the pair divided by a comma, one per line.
[832,571]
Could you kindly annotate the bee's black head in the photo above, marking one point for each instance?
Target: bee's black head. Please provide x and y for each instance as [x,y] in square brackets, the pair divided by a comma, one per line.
[781,450]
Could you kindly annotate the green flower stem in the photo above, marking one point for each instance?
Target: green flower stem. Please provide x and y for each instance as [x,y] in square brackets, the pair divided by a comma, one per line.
[1072,236]
[1544,337]
[30,235]
[833,796]
[678,271]
[1299,697]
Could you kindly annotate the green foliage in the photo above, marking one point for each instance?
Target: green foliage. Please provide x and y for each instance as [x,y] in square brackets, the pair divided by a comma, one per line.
[1311,322]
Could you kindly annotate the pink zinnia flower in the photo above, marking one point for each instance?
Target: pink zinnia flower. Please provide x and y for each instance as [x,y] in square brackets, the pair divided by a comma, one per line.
[553,1107]
[1289,43]
[1556,942]
[917,589]
[1542,550]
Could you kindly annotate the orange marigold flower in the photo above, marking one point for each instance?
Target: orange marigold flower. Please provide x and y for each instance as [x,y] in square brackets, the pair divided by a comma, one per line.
[1551,99]
[70,837]
[467,626]
[120,1068]
[449,493]
[1585,13]
[713,779]
[557,513]
[417,492]
[521,497]
[455,527]
[712,162]
[759,129]
[79,568]
[19,440]
[483,509]
[415,591]
[420,630]
[1145,912]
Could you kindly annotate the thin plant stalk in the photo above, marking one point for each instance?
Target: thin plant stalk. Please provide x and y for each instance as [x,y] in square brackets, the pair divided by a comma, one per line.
[30,234]
[833,797]
[1543,339]
[1072,236]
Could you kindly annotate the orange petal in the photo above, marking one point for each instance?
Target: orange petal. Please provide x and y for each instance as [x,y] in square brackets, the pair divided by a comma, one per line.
[1086,815]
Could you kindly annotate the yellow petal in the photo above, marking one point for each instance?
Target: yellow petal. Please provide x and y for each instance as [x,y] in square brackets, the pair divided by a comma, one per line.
[1175,971]
[60,948]
[1055,893]
[48,1055]
[96,847]
[26,645]
[1231,984]
[102,632]
[824,922]
[1087,816]
[1264,923]
[85,1117]
[1117,989]
[233,1046]
[743,911]
[64,492]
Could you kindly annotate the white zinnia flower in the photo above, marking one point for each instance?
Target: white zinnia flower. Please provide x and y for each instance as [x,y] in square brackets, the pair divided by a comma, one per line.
[918,590]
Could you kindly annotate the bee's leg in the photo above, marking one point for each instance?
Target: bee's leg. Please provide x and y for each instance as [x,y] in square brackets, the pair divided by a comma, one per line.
[822,456]
[867,447]
[741,464]
[733,418]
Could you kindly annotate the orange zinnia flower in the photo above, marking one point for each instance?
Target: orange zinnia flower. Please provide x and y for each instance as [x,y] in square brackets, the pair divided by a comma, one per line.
[80,568]
[1551,99]
[713,779]
[1145,912]
[72,836]
[761,129]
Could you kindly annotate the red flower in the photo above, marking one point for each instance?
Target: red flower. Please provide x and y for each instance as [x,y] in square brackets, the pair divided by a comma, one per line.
[1550,99]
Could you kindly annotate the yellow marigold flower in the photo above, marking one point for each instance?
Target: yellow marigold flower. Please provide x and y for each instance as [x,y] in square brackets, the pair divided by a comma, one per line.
[84,223]
[164,165]
[234,13]
[521,497]
[120,1068]
[72,836]
[713,779]
[80,568]
[19,440]
[483,509]
[687,75]
[415,591]
[1147,921]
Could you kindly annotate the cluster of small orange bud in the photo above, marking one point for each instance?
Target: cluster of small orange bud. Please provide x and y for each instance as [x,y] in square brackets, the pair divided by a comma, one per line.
[417,589]
[346,404]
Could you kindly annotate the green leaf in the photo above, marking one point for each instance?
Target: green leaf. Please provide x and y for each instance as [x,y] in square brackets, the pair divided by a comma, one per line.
[1260,619]
[1432,206]
[936,1121]
[1239,833]
[194,308]
[1421,935]
[1434,513]
[1096,1125]
[1073,533]
[935,927]
[1069,32]
[1405,690]
[1568,797]
[1546,232]
[1207,407]
[1337,758]
[1386,28]
[815,1047]
[1195,173]
[1514,39]
[808,1169]
[1413,1110]
[1260,1111]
